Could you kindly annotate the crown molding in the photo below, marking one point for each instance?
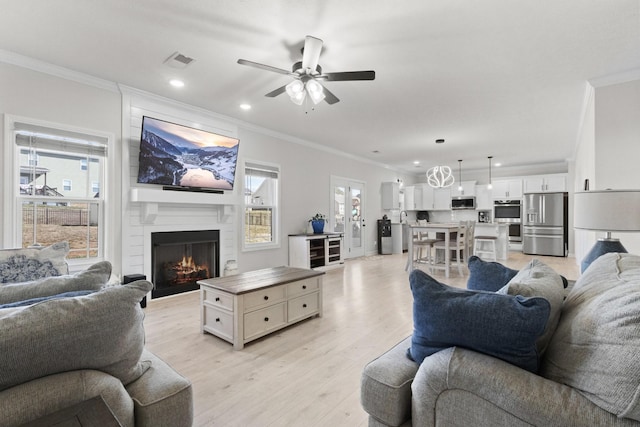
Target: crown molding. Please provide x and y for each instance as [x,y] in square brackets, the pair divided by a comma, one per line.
[612,79]
[44,67]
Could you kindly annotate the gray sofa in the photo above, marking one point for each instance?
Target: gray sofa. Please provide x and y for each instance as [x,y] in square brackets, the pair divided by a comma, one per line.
[589,373]
[69,338]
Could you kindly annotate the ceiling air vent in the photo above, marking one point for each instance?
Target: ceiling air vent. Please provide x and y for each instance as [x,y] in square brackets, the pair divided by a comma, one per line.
[178,60]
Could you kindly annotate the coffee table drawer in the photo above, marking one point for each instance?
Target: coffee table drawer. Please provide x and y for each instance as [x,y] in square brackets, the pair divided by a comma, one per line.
[265,320]
[218,322]
[302,287]
[263,296]
[304,306]
[218,298]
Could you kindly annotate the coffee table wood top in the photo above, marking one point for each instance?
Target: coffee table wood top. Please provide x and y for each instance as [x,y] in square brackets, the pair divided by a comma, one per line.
[259,279]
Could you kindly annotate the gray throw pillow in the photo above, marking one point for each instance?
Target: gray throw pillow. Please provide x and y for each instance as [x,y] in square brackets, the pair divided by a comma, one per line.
[537,279]
[101,331]
[22,265]
[91,279]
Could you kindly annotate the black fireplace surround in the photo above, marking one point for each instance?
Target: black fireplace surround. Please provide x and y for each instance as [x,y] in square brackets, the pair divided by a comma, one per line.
[180,258]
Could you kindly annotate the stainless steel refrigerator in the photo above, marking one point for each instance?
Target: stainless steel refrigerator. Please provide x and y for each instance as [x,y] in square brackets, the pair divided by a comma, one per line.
[545,224]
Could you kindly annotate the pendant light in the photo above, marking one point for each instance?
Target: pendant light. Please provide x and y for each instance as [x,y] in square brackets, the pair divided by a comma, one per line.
[490,186]
[440,177]
[460,177]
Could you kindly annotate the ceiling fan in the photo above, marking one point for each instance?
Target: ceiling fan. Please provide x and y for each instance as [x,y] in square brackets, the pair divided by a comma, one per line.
[308,74]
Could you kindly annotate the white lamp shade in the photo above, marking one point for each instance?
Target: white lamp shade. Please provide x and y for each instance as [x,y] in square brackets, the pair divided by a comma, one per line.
[607,210]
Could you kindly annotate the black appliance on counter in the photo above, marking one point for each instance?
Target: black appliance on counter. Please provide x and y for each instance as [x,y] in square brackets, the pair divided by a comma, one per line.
[385,244]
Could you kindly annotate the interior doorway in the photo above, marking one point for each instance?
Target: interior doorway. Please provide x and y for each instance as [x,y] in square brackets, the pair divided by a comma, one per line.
[347,214]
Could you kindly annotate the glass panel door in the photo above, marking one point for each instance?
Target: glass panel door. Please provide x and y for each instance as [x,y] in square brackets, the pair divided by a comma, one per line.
[347,214]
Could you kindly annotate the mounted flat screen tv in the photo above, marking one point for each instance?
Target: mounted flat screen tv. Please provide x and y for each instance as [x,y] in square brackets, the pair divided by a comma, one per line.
[184,158]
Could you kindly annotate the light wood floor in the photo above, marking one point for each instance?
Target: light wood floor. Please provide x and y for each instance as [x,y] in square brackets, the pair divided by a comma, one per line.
[308,374]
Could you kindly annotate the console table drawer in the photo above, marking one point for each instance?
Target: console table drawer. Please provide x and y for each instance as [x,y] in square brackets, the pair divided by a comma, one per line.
[218,322]
[217,298]
[263,296]
[265,320]
[302,287]
[304,306]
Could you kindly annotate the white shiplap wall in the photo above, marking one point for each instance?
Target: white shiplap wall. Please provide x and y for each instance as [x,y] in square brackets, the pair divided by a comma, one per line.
[196,211]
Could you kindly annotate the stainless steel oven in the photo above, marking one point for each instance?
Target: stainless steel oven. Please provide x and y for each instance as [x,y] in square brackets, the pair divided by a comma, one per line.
[509,212]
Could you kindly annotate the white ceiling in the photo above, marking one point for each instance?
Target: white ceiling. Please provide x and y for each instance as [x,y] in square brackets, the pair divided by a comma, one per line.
[496,77]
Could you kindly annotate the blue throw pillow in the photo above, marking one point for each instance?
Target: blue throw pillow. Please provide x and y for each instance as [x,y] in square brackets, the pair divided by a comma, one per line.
[502,326]
[41,299]
[488,276]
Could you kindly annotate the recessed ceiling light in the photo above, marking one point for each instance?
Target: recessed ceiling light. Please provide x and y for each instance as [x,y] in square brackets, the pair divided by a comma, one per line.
[375,151]
[176,83]
[245,107]
[497,165]
[416,162]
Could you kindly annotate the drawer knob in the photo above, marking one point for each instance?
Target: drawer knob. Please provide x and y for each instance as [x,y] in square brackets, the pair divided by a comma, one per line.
[217,298]
[304,305]
[266,297]
[217,319]
[266,319]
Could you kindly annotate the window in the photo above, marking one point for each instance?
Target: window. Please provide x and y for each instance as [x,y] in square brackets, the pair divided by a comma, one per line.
[49,214]
[261,186]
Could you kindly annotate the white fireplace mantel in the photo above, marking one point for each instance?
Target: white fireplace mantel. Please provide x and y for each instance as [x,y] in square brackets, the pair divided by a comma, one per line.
[152,195]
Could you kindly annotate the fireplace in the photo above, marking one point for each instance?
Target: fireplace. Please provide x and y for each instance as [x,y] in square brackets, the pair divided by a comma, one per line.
[180,258]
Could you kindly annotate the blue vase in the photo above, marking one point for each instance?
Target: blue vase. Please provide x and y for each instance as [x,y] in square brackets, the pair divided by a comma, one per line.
[318,226]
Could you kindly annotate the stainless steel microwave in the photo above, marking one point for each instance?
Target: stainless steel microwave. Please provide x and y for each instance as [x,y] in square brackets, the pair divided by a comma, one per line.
[463,202]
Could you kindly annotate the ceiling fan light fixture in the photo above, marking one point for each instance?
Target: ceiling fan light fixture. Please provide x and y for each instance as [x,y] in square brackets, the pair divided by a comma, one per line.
[296,92]
[315,90]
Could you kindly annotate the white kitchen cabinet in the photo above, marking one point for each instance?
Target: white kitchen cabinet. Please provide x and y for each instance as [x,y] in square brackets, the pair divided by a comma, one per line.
[484,202]
[468,189]
[545,183]
[390,194]
[427,197]
[413,198]
[506,189]
[441,199]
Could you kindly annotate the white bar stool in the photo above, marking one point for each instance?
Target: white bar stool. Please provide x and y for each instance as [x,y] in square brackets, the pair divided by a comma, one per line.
[485,246]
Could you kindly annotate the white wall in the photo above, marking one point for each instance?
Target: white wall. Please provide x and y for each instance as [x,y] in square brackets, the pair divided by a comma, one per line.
[617,147]
[43,97]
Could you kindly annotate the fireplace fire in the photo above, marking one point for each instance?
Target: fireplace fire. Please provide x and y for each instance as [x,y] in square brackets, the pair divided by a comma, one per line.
[180,258]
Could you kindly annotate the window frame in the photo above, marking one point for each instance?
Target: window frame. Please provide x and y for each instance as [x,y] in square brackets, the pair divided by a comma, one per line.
[275,207]
[13,200]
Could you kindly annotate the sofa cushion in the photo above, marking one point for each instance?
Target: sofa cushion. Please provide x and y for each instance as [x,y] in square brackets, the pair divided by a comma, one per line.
[503,326]
[101,331]
[488,276]
[91,279]
[32,301]
[537,279]
[22,265]
[596,346]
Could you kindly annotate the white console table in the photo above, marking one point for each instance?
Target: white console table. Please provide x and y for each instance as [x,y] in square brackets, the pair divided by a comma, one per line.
[247,306]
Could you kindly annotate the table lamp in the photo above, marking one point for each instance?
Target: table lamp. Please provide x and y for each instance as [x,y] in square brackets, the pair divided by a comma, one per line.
[609,211]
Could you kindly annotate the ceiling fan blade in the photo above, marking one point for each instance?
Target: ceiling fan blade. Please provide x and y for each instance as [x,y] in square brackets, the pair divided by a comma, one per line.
[263,67]
[348,75]
[329,97]
[311,53]
[277,92]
